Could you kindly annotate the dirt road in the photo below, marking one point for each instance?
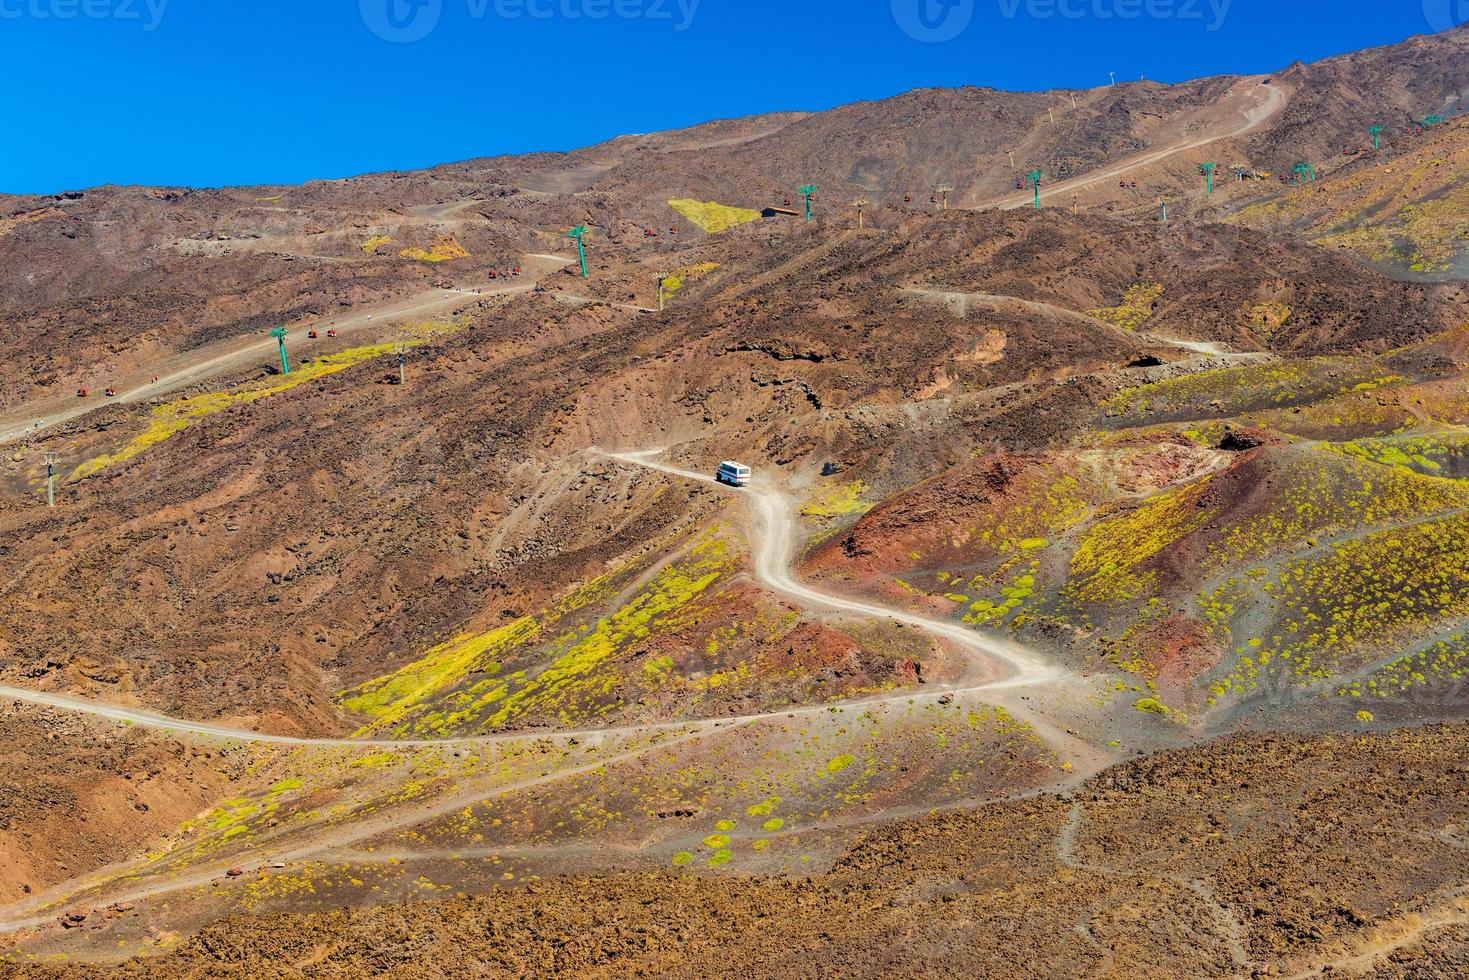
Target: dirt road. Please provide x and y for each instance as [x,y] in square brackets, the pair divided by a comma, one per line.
[583,176]
[959,304]
[206,729]
[237,353]
[775,547]
[995,666]
[1269,100]
[340,838]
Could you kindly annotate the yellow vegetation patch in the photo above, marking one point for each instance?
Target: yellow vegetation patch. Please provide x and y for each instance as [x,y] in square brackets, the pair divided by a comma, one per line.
[1267,318]
[1443,662]
[1426,230]
[456,687]
[388,700]
[1107,559]
[658,670]
[1422,452]
[686,275]
[444,250]
[376,242]
[1224,392]
[231,814]
[572,676]
[1331,489]
[712,216]
[284,786]
[1412,213]
[174,417]
[1361,595]
[1012,596]
[765,808]
[1136,308]
[842,500]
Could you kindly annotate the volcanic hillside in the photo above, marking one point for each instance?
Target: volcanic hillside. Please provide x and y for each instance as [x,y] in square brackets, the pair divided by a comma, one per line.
[1401,210]
[913,142]
[447,604]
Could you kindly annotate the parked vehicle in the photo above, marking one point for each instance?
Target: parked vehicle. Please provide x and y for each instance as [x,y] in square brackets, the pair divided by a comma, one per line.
[733,474]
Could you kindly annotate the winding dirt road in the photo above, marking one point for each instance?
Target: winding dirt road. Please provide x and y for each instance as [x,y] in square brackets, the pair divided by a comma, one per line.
[1269,100]
[994,665]
[775,548]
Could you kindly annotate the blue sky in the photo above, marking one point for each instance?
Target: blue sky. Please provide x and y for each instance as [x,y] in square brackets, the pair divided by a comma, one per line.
[207,92]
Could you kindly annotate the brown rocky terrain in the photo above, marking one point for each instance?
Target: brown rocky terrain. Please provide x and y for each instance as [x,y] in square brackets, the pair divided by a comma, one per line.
[75,791]
[1399,209]
[1043,502]
[1256,855]
[446,524]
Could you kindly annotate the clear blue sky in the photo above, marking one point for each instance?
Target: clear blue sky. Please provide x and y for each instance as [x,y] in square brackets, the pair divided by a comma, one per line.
[214,92]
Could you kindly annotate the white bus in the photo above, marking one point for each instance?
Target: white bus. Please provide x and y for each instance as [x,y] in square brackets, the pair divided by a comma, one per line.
[732,474]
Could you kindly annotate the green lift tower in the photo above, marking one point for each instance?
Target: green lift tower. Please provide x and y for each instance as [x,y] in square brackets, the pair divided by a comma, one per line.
[581,249]
[279,333]
[1207,169]
[809,191]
